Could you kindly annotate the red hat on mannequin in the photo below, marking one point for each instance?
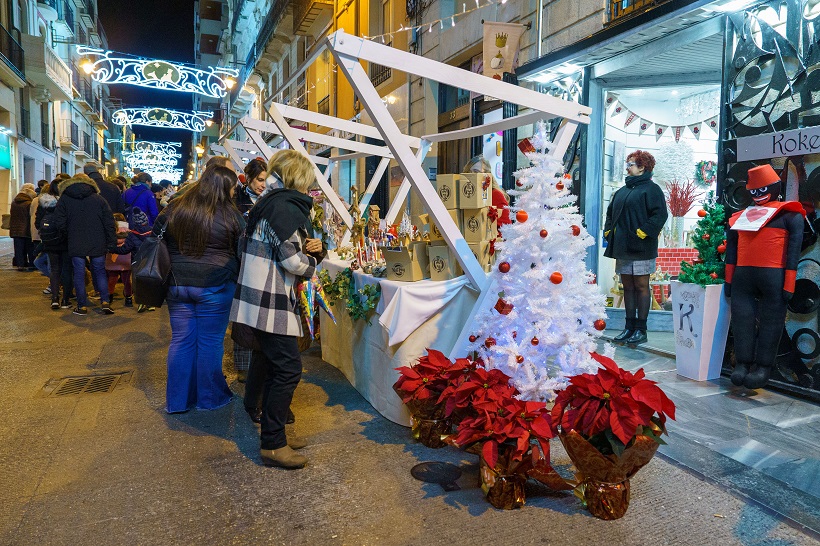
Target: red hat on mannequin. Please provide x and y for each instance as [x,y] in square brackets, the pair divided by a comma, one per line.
[761,176]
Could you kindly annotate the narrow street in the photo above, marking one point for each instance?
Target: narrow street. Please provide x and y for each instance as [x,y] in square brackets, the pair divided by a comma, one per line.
[114,468]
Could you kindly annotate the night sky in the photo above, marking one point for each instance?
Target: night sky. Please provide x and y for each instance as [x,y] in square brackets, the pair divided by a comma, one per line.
[157,29]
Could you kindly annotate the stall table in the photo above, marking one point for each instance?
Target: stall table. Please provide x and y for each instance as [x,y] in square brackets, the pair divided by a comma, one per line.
[409,318]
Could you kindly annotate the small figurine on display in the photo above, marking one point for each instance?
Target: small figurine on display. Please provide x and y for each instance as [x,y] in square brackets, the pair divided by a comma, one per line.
[762,251]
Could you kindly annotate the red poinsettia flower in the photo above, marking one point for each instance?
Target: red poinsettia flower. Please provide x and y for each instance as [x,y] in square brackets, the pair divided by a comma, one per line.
[426,379]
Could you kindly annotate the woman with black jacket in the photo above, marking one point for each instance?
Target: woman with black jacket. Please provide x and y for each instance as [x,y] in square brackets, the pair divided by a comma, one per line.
[248,192]
[55,246]
[201,229]
[634,220]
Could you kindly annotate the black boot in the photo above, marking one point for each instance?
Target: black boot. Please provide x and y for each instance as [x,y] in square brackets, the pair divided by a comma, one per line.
[639,335]
[629,329]
[740,373]
[758,377]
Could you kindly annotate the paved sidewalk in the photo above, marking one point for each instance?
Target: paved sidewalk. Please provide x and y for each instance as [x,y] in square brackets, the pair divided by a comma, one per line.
[116,469]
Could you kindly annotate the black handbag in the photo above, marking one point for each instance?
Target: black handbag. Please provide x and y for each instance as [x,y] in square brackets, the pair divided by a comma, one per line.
[150,268]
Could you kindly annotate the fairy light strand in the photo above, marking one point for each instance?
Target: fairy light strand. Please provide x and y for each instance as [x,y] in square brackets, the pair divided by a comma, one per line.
[428,26]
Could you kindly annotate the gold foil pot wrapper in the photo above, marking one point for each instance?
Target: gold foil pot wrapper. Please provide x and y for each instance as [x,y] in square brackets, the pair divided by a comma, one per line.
[506,492]
[605,478]
[430,432]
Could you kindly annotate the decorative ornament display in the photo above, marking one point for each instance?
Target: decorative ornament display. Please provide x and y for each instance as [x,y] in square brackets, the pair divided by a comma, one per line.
[503,307]
[721,248]
[489,342]
[111,68]
[358,303]
[702,213]
[504,267]
[534,341]
[148,146]
[519,359]
[705,109]
[576,231]
[521,216]
[559,185]
[713,275]
[544,233]
[708,238]
[706,173]
[599,324]
[556,278]
[162,117]
[473,339]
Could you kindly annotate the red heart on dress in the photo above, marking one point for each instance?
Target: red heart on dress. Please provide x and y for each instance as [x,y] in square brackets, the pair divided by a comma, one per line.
[756,213]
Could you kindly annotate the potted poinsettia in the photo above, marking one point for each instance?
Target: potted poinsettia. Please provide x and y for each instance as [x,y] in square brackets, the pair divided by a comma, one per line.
[419,387]
[513,434]
[610,423]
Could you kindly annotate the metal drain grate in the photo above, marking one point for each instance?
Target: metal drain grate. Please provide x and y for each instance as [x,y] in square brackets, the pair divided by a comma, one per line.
[86,384]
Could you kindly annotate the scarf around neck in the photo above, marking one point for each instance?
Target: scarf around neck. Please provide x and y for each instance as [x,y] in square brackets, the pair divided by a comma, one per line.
[284,211]
[632,181]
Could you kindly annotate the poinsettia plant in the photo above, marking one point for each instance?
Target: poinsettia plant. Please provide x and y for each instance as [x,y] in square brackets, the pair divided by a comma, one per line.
[420,386]
[612,407]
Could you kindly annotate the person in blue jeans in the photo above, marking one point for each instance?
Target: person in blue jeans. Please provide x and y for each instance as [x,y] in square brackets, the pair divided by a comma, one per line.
[202,229]
[85,218]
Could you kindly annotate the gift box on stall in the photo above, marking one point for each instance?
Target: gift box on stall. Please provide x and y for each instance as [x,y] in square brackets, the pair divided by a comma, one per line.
[478,225]
[481,251]
[447,189]
[474,190]
[407,263]
[443,263]
[435,232]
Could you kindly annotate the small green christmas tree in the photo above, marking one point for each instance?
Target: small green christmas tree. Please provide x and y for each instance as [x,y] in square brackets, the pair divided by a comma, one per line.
[711,245]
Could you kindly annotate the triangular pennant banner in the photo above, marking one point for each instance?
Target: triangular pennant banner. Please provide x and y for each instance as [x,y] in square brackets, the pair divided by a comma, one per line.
[712,123]
[678,132]
[618,110]
[611,98]
[630,118]
[643,126]
[695,128]
[660,130]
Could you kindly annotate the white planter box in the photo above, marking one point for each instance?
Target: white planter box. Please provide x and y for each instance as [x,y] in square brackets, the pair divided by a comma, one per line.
[700,317]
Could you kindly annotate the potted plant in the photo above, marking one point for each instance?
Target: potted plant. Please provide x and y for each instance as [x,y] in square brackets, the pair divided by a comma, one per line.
[420,387]
[680,198]
[610,424]
[700,310]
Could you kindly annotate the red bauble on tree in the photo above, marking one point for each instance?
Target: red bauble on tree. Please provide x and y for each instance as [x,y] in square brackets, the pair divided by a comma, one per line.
[521,216]
[702,213]
[706,236]
[713,275]
[472,339]
[489,342]
[575,230]
[599,324]
[534,341]
[556,278]
[559,185]
[721,248]
[519,359]
[544,233]
[504,267]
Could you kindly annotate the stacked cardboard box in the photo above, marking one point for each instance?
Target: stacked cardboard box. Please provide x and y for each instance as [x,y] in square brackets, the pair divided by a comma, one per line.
[407,263]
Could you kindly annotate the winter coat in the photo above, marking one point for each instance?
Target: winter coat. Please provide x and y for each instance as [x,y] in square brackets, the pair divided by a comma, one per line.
[243,199]
[141,196]
[35,204]
[86,219]
[20,225]
[131,243]
[45,215]
[639,205]
[110,192]
[219,264]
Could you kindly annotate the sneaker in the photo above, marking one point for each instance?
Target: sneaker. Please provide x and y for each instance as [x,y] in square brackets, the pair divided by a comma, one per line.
[55,303]
[94,295]
[106,308]
[129,302]
[65,304]
[47,291]
[80,311]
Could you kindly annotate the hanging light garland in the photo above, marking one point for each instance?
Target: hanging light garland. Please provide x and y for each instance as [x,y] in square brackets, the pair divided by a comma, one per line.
[449,22]
[174,175]
[149,146]
[112,68]
[162,117]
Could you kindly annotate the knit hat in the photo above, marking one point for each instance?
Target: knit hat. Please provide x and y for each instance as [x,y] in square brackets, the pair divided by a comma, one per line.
[28,188]
[89,168]
[760,177]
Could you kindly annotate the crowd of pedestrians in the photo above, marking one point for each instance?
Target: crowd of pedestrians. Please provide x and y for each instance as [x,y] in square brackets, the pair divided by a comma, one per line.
[238,244]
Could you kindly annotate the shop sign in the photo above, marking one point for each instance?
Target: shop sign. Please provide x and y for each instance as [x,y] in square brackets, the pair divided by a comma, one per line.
[780,144]
[5,152]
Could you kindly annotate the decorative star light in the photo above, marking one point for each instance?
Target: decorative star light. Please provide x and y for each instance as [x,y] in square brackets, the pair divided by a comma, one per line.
[162,117]
[106,67]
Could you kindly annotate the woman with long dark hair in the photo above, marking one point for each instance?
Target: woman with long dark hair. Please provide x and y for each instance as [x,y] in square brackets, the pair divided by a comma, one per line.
[201,229]
[256,174]
[277,253]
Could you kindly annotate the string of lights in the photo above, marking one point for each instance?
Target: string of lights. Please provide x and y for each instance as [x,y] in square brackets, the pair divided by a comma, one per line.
[450,21]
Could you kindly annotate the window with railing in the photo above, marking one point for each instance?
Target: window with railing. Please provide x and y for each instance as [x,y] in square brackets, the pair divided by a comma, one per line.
[87,142]
[323,107]
[82,38]
[66,14]
[96,151]
[44,136]
[380,74]
[623,9]
[12,52]
[25,123]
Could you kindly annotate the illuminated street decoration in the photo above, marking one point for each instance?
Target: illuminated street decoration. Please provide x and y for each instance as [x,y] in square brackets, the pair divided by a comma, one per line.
[108,67]
[174,175]
[149,146]
[162,117]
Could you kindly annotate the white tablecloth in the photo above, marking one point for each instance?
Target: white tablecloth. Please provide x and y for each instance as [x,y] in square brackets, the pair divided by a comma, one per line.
[363,351]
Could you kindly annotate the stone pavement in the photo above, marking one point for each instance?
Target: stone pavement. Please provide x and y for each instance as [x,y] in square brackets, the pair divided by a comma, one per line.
[116,469]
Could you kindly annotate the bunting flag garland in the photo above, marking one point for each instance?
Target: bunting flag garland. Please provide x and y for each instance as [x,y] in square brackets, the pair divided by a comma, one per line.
[712,123]
[659,131]
[630,118]
[643,126]
[619,108]
[695,128]
[678,132]
[611,98]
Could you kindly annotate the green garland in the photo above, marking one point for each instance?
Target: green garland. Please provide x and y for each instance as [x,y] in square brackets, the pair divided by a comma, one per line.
[709,234]
[358,303]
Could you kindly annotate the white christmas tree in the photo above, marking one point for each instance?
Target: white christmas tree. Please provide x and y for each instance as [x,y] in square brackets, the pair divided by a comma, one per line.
[549,313]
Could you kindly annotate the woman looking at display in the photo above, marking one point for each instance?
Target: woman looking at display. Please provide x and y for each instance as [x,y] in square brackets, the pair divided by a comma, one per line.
[634,219]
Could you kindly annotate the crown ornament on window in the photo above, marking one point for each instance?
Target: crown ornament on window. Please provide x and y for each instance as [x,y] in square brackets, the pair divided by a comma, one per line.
[501,39]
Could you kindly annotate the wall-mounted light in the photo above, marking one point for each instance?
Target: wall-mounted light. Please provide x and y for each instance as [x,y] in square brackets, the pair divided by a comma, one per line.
[229,82]
[200,149]
[209,122]
[87,65]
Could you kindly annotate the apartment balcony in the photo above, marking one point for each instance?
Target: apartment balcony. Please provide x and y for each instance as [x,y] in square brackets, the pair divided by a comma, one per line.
[48,9]
[64,25]
[69,135]
[101,117]
[84,95]
[87,15]
[311,16]
[12,69]
[84,150]
[46,69]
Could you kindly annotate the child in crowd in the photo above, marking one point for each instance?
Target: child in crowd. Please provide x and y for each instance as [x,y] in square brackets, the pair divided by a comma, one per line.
[128,242]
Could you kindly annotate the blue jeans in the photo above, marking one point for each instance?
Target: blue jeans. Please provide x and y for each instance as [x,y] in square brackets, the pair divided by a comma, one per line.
[199,320]
[41,263]
[98,274]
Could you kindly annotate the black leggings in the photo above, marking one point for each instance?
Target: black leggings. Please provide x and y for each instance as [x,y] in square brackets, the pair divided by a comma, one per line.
[758,314]
[636,299]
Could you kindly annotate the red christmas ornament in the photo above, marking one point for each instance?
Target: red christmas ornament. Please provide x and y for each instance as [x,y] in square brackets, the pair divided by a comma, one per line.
[534,341]
[515,334]
[702,213]
[721,248]
[543,233]
[504,267]
[521,216]
[599,324]
[556,278]
[559,186]
[519,359]
[705,237]
[519,183]
[503,307]
[489,342]
[472,339]
[713,275]
[576,230]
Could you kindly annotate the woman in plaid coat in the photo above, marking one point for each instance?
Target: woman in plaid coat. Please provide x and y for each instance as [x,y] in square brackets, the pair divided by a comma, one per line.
[276,255]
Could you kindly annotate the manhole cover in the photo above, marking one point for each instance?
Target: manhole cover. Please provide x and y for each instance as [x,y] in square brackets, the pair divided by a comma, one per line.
[86,384]
[444,474]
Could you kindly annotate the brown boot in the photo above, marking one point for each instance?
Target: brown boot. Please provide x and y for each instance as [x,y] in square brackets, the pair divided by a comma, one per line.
[296,442]
[283,457]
